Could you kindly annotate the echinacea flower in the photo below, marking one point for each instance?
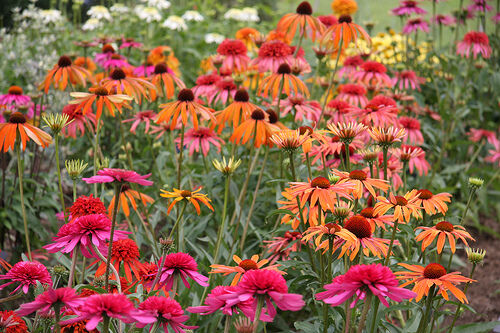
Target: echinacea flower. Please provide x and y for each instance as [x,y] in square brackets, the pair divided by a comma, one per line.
[412,127]
[310,214]
[444,20]
[346,132]
[302,19]
[184,106]
[77,121]
[280,248]
[338,111]
[135,87]
[289,140]
[433,275]
[102,98]
[494,154]
[407,80]
[205,85]
[416,24]
[408,8]
[375,115]
[98,306]
[271,55]
[15,97]
[361,181]
[386,136]
[376,219]
[194,197]
[17,126]
[239,109]
[179,265]
[110,175]
[443,230]
[128,195]
[235,55]
[301,107]
[475,42]
[200,140]
[331,231]
[340,35]
[26,273]
[404,206]
[256,127]
[372,74]
[224,90]
[115,61]
[84,205]
[63,71]
[123,251]
[353,94]
[362,280]
[248,35]
[61,297]
[243,267]
[414,156]
[433,203]
[282,82]
[166,81]
[167,312]
[145,117]
[10,322]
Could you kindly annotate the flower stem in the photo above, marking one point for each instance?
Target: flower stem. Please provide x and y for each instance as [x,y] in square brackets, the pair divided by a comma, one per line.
[332,79]
[105,324]
[348,157]
[460,305]
[158,274]
[111,235]
[385,150]
[20,171]
[73,267]
[176,226]
[223,219]
[374,318]
[101,256]
[428,306]
[292,166]
[179,161]
[58,166]
[260,304]
[469,200]
[393,236]
[96,145]
[57,311]
[227,324]
[364,312]
[74,190]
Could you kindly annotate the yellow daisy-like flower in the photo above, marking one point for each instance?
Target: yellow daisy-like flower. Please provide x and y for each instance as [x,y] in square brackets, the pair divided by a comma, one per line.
[191,196]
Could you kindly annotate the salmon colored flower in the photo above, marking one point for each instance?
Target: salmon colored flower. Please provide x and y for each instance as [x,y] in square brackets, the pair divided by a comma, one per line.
[301,107]
[77,122]
[141,117]
[280,248]
[475,42]
[443,230]
[433,203]
[433,275]
[354,94]
[166,81]
[102,98]
[386,136]
[272,54]
[361,181]
[340,35]
[288,140]
[224,89]
[375,115]
[200,140]
[123,251]
[309,214]
[416,24]
[404,206]
[128,195]
[338,111]
[194,197]
[184,106]
[63,71]
[18,128]
[239,109]
[257,127]
[373,74]
[235,56]
[376,220]
[321,191]
[303,20]
[331,231]
[134,87]
[415,156]
[243,267]
[407,8]
[407,80]
[412,126]
[205,85]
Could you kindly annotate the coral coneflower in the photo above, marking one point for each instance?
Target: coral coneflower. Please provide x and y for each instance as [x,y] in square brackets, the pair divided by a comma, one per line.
[102,98]
[145,117]
[239,109]
[444,20]
[17,128]
[123,251]
[407,80]
[404,206]
[415,156]
[272,54]
[301,107]
[224,90]
[475,42]
[412,126]
[242,267]
[167,312]
[280,248]
[375,115]
[184,106]
[256,127]
[200,140]
[235,55]
[205,85]
[353,94]
[414,25]
[350,66]
[340,35]
[77,121]
[331,231]
[320,191]
[376,219]
[303,20]
[191,196]
[166,81]
[26,273]
[361,181]
[63,71]
[282,82]
[407,8]
[134,87]
[433,275]
[338,111]
[183,265]
[373,74]
[443,230]
[433,203]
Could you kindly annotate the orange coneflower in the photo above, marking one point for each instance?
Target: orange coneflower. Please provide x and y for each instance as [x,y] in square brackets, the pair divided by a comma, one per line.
[18,126]
[404,206]
[443,230]
[376,219]
[313,135]
[289,140]
[340,35]
[332,232]
[102,97]
[248,36]
[256,127]
[183,107]
[165,81]
[191,196]
[309,214]
[302,19]
[433,275]
[433,203]
[282,82]
[243,266]
[132,86]
[85,63]
[128,195]
[361,181]
[240,108]
[61,72]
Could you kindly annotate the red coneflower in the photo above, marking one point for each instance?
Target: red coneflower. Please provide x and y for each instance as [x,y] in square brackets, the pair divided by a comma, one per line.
[10,322]
[375,115]
[86,206]
[235,55]
[353,94]
[77,121]
[123,251]
[477,42]
[63,71]
[373,73]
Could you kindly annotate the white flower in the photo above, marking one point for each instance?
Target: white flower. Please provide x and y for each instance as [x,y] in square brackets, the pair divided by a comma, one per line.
[91,24]
[119,8]
[148,14]
[160,4]
[51,16]
[192,15]
[214,38]
[247,14]
[99,12]
[175,22]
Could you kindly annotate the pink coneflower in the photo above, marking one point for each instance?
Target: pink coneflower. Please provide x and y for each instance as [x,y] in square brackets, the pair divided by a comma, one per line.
[328,20]
[15,97]
[280,248]
[26,273]
[85,232]
[382,100]
[272,54]
[200,139]
[350,65]
[406,80]
[145,117]
[414,25]
[413,134]
[205,85]
[408,8]
[115,61]
[477,42]
[62,297]
[167,312]
[109,175]
[223,90]
[106,52]
[446,20]
[299,64]
[302,108]
[139,70]
[78,121]
[129,43]
[183,265]
[361,280]
[476,135]
[163,128]
[372,73]
[270,285]
[354,94]
[98,306]
[494,154]
[235,55]
[496,18]
[479,6]
[374,115]
[339,111]
[415,156]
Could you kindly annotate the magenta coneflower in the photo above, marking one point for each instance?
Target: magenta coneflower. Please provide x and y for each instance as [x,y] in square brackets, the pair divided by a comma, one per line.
[145,117]
[477,42]
[354,94]
[372,73]
[180,265]
[272,54]
[445,20]
[301,107]
[98,306]
[139,70]
[412,126]
[62,297]
[15,97]
[414,25]
[479,6]
[167,312]
[408,8]
[361,280]
[200,140]
[115,61]
[129,43]
[107,51]
[26,273]
[79,121]
[494,154]
[235,55]
[407,80]
[109,175]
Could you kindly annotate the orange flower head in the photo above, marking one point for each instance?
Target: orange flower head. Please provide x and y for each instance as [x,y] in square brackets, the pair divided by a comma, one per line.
[258,127]
[346,131]
[344,7]
[165,81]
[282,82]
[303,20]
[444,231]
[134,87]
[288,140]
[332,231]
[63,71]
[386,136]
[194,197]
[102,98]
[433,203]
[374,219]
[361,181]
[17,126]
[239,109]
[248,36]
[126,196]
[340,35]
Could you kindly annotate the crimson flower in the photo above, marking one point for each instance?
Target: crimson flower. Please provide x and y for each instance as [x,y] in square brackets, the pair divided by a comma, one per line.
[26,273]
[66,297]
[167,312]
[109,175]
[181,264]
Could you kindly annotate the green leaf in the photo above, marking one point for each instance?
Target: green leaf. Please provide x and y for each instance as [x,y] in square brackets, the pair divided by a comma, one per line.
[476,327]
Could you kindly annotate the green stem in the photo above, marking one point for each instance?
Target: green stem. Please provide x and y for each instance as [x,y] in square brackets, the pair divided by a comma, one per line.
[74,190]
[96,145]
[364,312]
[332,79]
[223,220]
[260,304]
[58,166]
[176,226]
[227,324]
[292,166]
[428,306]
[57,311]
[179,161]
[460,305]
[405,165]
[393,236]
[105,324]
[20,171]
[73,267]
[385,150]
[348,157]
[469,200]
[374,318]
[111,235]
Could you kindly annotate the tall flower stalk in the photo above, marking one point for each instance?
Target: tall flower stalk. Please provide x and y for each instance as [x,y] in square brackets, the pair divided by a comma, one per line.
[20,171]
